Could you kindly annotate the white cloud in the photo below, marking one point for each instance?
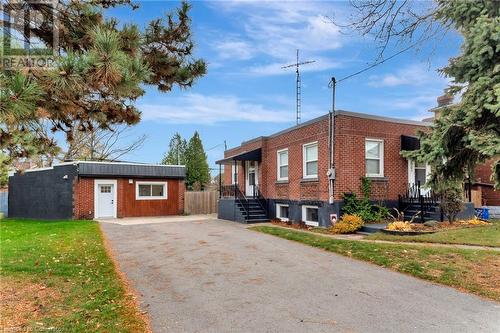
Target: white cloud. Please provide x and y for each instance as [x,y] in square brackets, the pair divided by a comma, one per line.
[414,75]
[276,29]
[415,106]
[202,109]
[234,49]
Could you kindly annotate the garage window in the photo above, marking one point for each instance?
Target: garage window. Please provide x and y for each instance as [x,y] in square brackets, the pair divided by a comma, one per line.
[151,190]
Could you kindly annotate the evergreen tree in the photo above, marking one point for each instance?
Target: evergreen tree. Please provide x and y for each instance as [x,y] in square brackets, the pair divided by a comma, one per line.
[197,170]
[176,151]
[468,133]
[99,74]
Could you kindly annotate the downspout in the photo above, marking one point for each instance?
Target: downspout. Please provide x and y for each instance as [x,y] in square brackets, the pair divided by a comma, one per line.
[331,137]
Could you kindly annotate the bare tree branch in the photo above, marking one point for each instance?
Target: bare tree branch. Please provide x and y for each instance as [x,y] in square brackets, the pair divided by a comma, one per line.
[101,144]
[394,22]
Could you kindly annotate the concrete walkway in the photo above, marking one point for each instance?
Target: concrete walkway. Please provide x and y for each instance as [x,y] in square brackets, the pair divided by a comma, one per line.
[360,238]
[158,219]
[217,276]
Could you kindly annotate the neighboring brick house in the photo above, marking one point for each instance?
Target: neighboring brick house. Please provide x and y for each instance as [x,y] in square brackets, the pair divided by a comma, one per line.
[485,186]
[289,175]
[87,190]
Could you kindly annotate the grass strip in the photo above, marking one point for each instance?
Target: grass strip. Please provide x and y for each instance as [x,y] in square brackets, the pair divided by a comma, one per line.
[474,271]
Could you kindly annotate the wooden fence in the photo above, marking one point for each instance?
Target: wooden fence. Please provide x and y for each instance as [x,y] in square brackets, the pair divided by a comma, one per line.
[200,202]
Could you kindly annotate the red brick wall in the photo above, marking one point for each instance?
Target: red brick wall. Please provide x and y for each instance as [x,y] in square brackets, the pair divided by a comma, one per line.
[490,196]
[83,198]
[297,188]
[350,155]
[128,206]
[351,133]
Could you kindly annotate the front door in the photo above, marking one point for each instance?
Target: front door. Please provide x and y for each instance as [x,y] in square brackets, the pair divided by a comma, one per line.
[251,179]
[418,173]
[105,200]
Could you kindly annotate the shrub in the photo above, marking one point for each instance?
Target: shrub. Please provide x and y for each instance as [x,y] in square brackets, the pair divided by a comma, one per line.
[347,224]
[477,221]
[362,206]
[399,226]
[451,203]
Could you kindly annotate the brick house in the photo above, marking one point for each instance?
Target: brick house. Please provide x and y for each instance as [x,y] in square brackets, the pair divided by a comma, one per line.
[87,190]
[292,175]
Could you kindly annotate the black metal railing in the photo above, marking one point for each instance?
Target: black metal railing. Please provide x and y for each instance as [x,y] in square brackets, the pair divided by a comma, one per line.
[260,198]
[228,191]
[415,195]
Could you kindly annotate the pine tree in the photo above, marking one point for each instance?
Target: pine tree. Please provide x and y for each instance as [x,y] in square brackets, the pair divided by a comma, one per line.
[468,133]
[99,74]
[176,154]
[197,170]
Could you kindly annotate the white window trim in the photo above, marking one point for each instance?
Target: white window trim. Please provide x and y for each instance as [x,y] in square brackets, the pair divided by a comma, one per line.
[278,165]
[304,169]
[234,174]
[98,182]
[381,159]
[163,197]
[310,223]
[278,206]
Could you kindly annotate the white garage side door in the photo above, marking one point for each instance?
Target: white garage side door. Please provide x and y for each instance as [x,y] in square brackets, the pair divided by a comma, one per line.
[105,198]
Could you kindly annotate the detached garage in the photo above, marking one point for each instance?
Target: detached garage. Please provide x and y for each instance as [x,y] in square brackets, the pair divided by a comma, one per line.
[87,190]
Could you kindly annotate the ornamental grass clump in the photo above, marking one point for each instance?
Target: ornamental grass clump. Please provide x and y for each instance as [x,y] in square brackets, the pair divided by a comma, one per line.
[399,226]
[347,224]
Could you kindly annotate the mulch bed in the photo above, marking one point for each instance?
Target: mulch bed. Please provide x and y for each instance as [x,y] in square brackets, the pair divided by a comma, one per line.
[421,229]
[289,224]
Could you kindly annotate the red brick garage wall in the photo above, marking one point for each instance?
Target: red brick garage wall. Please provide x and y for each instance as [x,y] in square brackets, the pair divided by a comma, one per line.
[83,198]
[128,206]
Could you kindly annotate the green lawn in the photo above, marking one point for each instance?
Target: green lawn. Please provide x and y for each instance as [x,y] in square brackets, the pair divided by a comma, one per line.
[475,271]
[480,235]
[56,274]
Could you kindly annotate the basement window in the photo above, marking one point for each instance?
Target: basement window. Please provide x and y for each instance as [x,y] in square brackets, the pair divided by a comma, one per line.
[310,215]
[282,212]
[151,191]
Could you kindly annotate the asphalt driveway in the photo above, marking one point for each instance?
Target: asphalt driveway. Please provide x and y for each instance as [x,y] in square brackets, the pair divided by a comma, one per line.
[217,276]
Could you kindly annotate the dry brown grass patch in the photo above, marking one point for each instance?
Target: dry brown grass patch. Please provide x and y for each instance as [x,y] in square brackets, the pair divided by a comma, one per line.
[24,302]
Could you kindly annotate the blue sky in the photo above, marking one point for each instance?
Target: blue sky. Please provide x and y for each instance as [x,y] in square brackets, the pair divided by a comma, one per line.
[246,93]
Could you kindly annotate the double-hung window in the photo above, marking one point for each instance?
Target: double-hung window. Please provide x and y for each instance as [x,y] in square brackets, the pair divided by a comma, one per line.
[374,157]
[234,174]
[151,190]
[282,158]
[310,160]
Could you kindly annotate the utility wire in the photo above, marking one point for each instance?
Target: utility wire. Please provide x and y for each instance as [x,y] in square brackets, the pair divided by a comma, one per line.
[211,148]
[378,62]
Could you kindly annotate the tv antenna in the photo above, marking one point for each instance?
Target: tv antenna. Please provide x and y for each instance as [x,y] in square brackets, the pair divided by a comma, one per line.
[297,65]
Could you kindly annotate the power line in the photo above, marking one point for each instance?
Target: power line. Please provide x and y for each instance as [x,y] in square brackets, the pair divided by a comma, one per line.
[377,63]
[211,148]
